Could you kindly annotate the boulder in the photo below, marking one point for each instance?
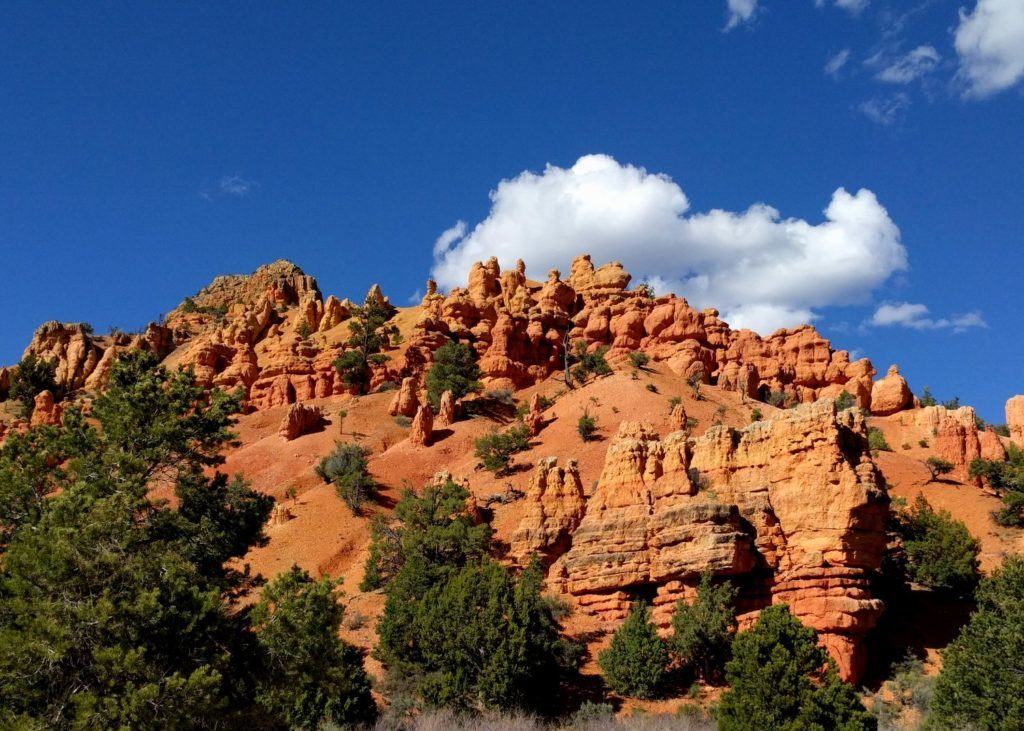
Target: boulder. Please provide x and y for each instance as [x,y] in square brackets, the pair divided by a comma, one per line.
[300,419]
[44,411]
[406,399]
[1015,419]
[890,394]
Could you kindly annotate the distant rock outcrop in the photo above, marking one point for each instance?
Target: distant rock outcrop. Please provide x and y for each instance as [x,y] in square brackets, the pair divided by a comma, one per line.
[1015,419]
[890,394]
[792,509]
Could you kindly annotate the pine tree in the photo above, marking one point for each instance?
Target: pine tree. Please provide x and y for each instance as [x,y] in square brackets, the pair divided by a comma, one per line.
[369,333]
[779,678]
[309,674]
[33,376]
[454,369]
[634,664]
[703,631]
[981,684]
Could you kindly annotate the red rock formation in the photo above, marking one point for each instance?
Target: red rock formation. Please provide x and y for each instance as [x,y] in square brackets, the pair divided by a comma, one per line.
[44,411]
[793,508]
[677,418]
[890,394]
[534,418]
[448,409]
[300,419]
[422,431]
[1015,419]
[406,400]
[553,507]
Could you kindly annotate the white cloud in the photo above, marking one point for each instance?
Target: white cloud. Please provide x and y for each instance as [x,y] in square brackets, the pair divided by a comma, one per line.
[990,44]
[910,66]
[232,185]
[918,317]
[760,269]
[854,7]
[836,62]
[739,11]
[886,110]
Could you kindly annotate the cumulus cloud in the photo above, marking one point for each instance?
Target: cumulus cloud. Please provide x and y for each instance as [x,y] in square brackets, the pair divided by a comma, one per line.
[739,12]
[910,66]
[854,7]
[886,110]
[762,270]
[230,185]
[836,62]
[917,316]
[990,43]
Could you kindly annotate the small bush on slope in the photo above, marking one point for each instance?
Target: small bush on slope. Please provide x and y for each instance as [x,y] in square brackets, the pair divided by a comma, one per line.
[33,376]
[495,450]
[635,661]
[1008,478]
[779,678]
[981,684]
[346,469]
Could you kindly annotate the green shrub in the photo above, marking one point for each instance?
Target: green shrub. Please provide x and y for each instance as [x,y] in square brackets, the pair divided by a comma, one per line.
[590,363]
[876,440]
[703,631]
[346,469]
[777,399]
[495,450]
[922,443]
[586,426]
[926,397]
[303,330]
[937,467]
[639,359]
[939,552]
[952,404]
[845,400]
[779,678]
[312,675]
[33,376]
[755,415]
[695,383]
[454,369]
[402,420]
[635,661]
[1008,479]
[368,334]
[981,684]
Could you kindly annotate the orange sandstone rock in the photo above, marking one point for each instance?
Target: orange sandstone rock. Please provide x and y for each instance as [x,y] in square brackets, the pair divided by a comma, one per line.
[44,411]
[406,400]
[447,410]
[422,431]
[554,505]
[1015,419]
[300,419]
[890,394]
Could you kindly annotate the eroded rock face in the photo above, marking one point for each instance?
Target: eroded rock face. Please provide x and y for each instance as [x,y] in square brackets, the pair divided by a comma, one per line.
[954,437]
[300,419]
[1015,419]
[554,506]
[44,411]
[406,400]
[447,409]
[890,394]
[534,418]
[792,509]
[422,431]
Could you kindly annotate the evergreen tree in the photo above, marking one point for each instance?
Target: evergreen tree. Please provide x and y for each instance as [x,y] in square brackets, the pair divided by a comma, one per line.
[981,684]
[779,678]
[938,550]
[369,333]
[346,468]
[454,369]
[114,606]
[33,376]
[703,631]
[1008,478]
[309,675]
[634,664]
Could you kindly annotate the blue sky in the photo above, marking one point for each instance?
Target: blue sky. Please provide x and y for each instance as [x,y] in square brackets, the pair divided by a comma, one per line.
[145,148]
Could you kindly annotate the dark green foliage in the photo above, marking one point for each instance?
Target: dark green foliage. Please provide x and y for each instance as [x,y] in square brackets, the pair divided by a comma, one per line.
[454,369]
[590,363]
[876,440]
[115,600]
[755,415]
[938,551]
[845,400]
[586,426]
[926,397]
[309,675]
[457,627]
[32,377]
[635,661]
[777,399]
[346,469]
[495,450]
[1001,429]
[432,526]
[1008,478]
[303,330]
[703,631]
[639,359]
[369,333]
[937,467]
[981,684]
[779,678]
[952,404]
